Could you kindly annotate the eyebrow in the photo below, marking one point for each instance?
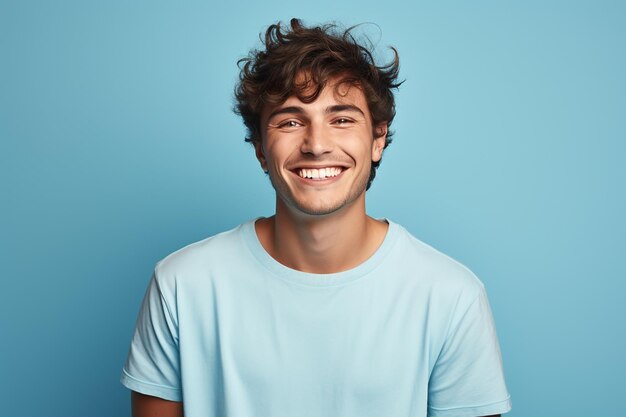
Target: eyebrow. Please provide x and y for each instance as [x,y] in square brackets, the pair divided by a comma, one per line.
[344,107]
[286,110]
[332,109]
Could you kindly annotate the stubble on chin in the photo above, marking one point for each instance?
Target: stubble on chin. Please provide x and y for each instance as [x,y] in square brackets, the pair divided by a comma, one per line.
[284,193]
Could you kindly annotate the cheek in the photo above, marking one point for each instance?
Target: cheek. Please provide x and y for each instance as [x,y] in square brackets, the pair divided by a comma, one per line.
[277,153]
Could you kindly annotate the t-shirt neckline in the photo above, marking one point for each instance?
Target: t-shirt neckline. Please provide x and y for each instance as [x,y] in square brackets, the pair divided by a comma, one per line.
[318,280]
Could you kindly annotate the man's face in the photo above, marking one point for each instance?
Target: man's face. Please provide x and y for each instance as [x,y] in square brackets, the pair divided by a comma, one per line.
[319,155]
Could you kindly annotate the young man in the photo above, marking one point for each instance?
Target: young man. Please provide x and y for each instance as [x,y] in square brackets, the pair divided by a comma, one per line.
[319,310]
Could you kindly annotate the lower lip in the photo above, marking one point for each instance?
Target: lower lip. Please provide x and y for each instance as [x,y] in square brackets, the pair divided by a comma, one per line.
[317,181]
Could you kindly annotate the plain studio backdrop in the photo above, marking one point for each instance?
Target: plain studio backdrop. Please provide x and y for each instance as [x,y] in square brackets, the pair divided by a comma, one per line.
[118,146]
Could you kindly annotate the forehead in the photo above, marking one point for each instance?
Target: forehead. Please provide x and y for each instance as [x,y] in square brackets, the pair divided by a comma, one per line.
[338,90]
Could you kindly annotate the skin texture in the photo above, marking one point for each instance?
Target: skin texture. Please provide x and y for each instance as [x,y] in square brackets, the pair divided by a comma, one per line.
[334,130]
[321,226]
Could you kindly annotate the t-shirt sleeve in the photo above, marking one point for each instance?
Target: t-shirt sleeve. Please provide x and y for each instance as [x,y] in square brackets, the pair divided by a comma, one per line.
[468,379]
[153,365]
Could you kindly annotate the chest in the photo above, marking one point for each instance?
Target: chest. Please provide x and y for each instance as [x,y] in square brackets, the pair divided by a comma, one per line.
[356,347]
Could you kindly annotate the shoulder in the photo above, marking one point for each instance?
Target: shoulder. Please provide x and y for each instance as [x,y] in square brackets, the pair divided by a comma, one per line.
[198,259]
[434,269]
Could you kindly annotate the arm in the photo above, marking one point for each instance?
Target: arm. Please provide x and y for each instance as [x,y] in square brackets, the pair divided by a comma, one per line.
[148,406]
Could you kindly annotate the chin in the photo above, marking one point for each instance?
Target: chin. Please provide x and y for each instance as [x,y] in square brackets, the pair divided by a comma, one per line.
[299,203]
[317,210]
[320,208]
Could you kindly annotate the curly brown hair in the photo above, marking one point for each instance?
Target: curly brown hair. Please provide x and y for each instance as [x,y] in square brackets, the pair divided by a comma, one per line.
[270,76]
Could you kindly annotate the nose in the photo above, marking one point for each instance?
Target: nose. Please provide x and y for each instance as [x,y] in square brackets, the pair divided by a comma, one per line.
[316,141]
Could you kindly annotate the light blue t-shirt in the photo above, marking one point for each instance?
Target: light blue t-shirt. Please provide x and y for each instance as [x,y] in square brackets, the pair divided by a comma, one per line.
[230,331]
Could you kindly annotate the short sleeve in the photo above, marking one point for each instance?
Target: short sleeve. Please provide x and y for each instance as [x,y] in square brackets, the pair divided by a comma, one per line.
[153,365]
[468,378]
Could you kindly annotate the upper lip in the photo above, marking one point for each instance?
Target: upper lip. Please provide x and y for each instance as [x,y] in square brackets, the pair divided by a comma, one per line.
[319,166]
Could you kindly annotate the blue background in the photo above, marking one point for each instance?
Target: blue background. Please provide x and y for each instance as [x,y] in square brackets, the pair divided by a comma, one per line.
[118,146]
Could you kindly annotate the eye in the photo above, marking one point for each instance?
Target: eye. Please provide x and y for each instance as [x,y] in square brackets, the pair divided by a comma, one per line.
[342,121]
[289,124]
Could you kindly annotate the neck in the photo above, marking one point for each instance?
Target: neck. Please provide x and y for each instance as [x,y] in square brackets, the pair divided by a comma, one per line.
[321,244]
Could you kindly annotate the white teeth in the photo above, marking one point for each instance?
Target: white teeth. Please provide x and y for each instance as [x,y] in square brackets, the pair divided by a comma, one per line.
[321,173]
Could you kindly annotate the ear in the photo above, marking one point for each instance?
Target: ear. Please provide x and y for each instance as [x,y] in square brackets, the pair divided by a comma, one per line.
[260,154]
[380,138]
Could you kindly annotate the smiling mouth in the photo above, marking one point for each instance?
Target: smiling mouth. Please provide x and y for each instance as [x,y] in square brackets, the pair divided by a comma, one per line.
[318,173]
